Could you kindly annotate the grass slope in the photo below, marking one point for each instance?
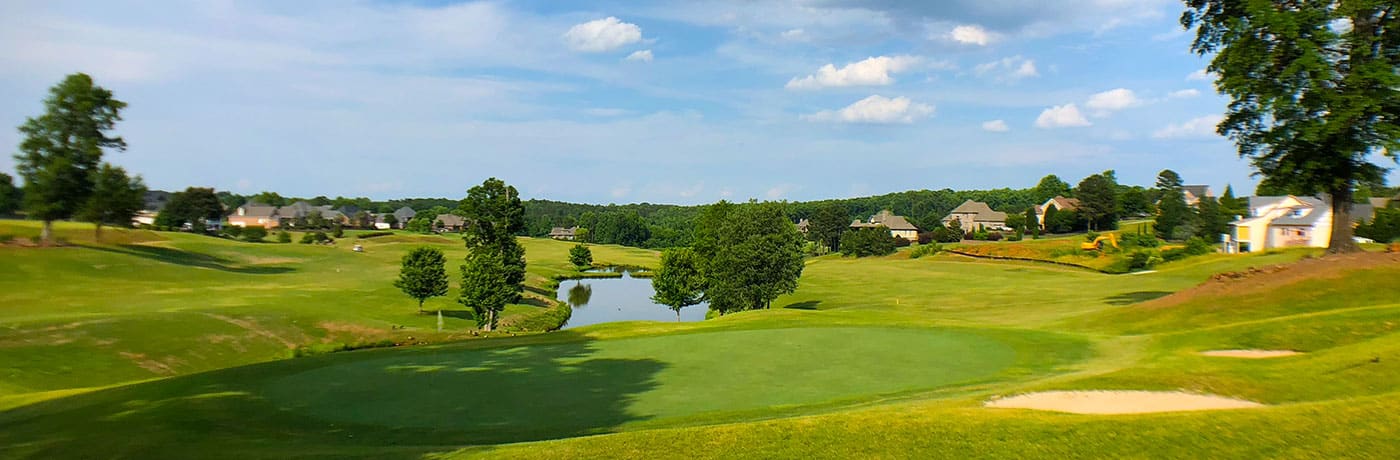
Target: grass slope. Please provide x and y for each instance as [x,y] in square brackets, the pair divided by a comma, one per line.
[98,314]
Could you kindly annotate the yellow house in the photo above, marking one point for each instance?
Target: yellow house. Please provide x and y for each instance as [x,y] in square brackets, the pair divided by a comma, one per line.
[1281,222]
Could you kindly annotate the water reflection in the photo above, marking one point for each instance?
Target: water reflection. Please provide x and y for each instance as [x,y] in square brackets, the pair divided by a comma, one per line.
[580,294]
[602,300]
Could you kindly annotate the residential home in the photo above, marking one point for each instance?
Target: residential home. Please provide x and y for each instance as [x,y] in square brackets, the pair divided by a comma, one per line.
[403,215]
[144,217]
[898,225]
[803,226]
[255,215]
[1059,203]
[565,234]
[380,222]
[1194,193]
[449,223]
[974,214]
[1287,221]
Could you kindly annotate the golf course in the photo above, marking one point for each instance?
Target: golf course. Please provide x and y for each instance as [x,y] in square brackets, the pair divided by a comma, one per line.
[172,345]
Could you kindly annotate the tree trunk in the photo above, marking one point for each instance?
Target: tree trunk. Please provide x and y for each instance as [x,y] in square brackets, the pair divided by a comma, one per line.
[1341,241]
[420,306]
[678,315]
[97,232]
[490,320]
[46,235]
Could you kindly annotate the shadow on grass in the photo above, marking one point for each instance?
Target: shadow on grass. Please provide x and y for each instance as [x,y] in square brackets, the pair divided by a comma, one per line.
[459,314]
[189,259]
[539,290]
[808,305]
[1129,298]
[350,404]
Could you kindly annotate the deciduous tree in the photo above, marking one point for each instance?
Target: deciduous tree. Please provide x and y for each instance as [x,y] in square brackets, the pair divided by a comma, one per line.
[10,196]
[678,282]
[61,149]
[1314,91]
[1098,201]
[115,198]
[423,274]
[486,286]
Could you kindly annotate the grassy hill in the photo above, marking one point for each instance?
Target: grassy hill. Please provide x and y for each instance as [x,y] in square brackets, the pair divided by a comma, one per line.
[878,357]
[144,305]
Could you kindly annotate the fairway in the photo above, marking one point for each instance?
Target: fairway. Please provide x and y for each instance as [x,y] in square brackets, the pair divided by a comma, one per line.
[607,383]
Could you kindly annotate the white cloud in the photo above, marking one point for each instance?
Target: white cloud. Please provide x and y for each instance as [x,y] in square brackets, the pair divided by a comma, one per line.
[1112,100]
[1183,94]
[1199,75]
[1009,69]
[873,71]
[1061,116]
[971,35]
[778,191]
[621,190]
[875,109]
[794,35]
[602,35]
[640,56]
[1195,127]
[996,126]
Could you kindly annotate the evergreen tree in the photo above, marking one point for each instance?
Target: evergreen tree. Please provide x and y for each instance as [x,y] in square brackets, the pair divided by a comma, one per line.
[580,256]
[1172,211]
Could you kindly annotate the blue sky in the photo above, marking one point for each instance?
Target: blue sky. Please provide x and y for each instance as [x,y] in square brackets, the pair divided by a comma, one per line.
[671,102]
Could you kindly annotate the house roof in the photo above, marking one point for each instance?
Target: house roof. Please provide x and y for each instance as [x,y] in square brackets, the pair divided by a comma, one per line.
[294,210]
[1062,203]
[451,220]
[1311,217]
[257,210]
[405,214]
[980,211]
[1362,212]
[892,221]
[562,231]
[1200,191]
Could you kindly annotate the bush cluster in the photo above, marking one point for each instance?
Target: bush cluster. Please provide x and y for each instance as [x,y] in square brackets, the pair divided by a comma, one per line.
[316,237]
[254,234]
[867,242]
[925,250]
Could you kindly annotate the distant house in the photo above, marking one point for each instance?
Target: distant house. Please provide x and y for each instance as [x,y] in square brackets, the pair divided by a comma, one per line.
[381,222]
[255,215]
[803,226]
[403,215]
[1059,203]
[1281,222]
[1194,193]
[449,223]
[898,225]
[565,234]
[144,217]
[973,214]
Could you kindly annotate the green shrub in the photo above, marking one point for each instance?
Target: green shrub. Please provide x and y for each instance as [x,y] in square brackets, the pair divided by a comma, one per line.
[254,234]
[6,238]
[863,242]
[233,231]
[947,235]
[338,231]
[1144,259]
[994,236]
[284,237]
[308,238]
[900,242]
[925,250]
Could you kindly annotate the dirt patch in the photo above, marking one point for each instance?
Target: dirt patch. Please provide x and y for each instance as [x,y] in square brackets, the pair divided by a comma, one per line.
[1119,402]
[1270,278]
[1250,354]
[358,330]
[152,365]
[253,327]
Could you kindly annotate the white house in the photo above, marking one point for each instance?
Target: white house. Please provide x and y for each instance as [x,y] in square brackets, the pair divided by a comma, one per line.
[898,225]
[1281,222]
[1060,203]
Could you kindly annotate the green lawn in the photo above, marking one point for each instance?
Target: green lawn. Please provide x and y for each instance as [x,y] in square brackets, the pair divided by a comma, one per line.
[883,357]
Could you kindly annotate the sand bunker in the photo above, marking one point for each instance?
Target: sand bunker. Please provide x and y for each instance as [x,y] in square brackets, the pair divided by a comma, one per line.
[1250,354]
[1119,402]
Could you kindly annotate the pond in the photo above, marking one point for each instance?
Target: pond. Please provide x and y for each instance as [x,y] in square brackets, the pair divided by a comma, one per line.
[603,300]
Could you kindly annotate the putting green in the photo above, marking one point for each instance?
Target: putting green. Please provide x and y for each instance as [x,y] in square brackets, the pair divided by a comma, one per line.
[578,388]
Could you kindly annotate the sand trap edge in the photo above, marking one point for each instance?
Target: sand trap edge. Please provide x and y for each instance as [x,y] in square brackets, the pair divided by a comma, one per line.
[1109,402]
